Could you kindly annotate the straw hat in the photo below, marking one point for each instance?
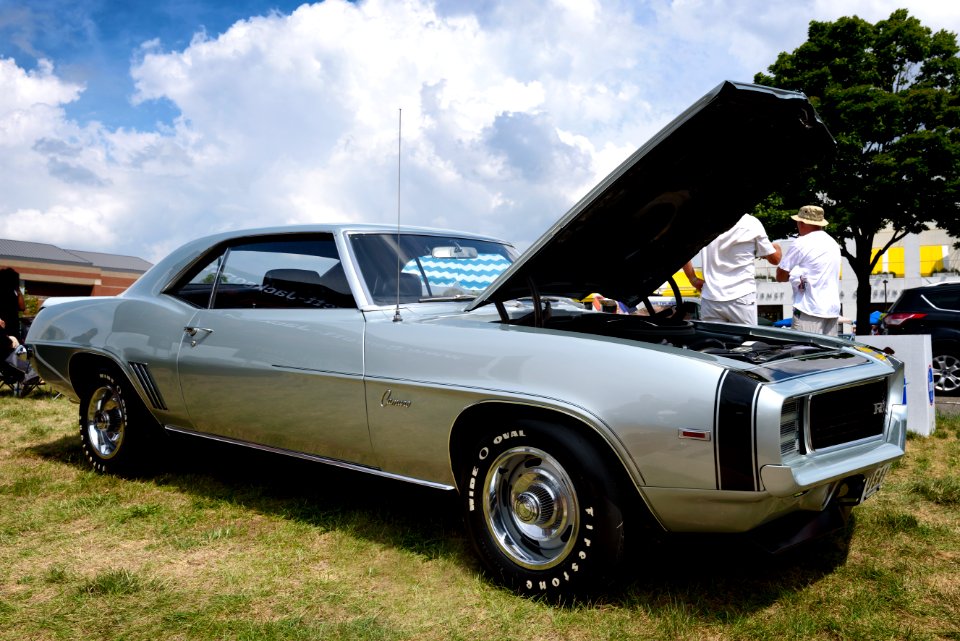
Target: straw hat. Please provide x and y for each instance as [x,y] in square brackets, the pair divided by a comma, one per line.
[812,215]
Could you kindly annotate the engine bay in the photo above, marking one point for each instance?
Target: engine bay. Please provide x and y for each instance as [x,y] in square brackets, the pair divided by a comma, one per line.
[740,342]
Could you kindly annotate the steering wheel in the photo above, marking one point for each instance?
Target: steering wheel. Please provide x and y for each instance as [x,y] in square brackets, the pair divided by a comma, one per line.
[677,296]
[676,312]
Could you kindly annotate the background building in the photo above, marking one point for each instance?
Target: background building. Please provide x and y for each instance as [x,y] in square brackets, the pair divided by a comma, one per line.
[46,270]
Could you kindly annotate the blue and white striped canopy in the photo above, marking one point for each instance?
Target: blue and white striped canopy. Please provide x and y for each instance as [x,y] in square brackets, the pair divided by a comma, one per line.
[470,274]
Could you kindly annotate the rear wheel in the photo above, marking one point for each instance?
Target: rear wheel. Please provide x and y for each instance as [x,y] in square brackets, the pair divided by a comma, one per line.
[115,427]
[946,373]
[541,511]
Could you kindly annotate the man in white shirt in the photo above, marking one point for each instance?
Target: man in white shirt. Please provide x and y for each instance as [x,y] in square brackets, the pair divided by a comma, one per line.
[812,266]
[728,289]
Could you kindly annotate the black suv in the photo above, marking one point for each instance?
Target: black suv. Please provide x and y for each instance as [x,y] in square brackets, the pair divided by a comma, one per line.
[934,310]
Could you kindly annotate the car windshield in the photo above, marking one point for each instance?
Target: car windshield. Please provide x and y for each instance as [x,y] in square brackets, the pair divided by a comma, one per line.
[419,267]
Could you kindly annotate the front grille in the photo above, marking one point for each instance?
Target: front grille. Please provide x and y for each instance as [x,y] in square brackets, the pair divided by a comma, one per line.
[847,414]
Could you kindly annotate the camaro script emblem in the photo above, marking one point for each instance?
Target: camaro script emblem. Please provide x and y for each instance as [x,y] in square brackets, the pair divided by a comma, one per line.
[387,399]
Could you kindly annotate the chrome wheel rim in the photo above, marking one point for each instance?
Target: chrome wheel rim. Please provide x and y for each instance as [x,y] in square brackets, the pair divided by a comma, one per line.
[946,373]
[531,508]
[105,422]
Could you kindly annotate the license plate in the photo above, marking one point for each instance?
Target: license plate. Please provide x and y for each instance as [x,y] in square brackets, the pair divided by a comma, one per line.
[874,480]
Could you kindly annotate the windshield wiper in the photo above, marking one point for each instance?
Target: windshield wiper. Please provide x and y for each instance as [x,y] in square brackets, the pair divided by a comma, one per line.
[455,297]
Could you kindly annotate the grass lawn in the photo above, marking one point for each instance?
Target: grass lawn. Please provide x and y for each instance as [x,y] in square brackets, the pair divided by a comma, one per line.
[226,544]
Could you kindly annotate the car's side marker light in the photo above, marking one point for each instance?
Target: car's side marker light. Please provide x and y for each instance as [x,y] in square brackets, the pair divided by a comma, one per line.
[700,435]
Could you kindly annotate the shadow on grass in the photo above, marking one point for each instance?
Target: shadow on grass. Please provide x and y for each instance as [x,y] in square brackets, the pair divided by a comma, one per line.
[418,519]
[37,393]
[65,449]
[716,579]
[704,577]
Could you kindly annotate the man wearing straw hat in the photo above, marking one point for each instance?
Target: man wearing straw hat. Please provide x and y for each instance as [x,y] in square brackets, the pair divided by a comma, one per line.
[812,266]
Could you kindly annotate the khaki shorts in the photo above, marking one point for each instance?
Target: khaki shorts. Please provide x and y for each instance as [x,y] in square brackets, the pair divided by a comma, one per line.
[804,322]
[742,311]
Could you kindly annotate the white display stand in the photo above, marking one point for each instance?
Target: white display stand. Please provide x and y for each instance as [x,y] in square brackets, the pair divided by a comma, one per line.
[917,358]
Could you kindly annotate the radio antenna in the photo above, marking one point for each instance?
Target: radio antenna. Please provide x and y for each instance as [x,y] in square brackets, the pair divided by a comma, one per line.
[396,314]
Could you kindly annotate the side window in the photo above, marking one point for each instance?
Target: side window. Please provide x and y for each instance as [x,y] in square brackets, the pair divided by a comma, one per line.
[273,273]
[199,288]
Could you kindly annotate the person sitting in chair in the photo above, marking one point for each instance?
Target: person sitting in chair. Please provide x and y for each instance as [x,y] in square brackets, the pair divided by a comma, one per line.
[15,369]
[11,304]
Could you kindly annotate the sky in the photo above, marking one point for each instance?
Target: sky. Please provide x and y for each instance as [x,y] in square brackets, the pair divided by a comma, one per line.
[131,127]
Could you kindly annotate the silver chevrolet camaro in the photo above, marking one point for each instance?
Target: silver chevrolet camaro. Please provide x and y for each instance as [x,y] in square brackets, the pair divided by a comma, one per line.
[446,359]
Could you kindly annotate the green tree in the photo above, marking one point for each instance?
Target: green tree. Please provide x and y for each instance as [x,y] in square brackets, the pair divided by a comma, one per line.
[890,94]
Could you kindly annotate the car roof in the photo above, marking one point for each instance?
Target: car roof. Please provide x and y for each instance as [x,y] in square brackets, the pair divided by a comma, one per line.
[945,284]
[174,263]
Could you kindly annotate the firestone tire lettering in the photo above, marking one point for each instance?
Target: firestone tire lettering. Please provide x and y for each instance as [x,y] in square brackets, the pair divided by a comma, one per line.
[116,431]
[578,530]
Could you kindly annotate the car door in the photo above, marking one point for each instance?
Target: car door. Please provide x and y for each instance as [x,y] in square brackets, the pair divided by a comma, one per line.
[275,354]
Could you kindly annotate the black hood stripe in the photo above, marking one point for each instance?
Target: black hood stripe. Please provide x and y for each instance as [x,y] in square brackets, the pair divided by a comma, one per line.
[735,433]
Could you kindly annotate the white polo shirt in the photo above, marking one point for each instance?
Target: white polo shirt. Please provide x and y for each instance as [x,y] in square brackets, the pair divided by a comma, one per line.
[727,262]
[816,258]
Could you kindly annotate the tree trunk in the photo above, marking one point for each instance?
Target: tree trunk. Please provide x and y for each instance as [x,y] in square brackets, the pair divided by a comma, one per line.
[863,305]
[862,267]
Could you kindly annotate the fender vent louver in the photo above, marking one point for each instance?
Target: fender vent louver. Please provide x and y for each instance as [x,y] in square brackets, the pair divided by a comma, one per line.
[149,386]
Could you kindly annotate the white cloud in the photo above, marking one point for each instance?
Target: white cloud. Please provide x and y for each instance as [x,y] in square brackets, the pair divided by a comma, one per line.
[72,227]
[23,90]
[55,183]
[511,111]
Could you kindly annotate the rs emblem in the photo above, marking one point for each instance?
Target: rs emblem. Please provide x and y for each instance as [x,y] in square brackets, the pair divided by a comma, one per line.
[879,408]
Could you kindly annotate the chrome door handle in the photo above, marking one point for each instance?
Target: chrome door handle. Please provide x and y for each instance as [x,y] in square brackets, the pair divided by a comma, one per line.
[192,331]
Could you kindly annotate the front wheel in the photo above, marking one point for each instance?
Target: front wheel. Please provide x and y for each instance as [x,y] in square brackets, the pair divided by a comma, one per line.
[115,427]
[542,513]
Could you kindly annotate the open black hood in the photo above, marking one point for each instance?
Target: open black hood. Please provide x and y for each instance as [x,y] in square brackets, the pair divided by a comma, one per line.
[683,188]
